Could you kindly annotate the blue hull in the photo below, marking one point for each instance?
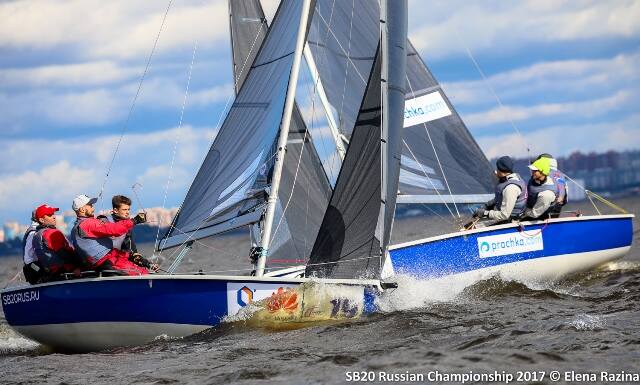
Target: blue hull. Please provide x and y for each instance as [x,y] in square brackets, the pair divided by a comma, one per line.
[598,238]
[99,313]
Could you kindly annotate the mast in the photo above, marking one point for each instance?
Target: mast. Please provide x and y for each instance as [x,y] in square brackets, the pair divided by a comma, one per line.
[393,29]
[282,139]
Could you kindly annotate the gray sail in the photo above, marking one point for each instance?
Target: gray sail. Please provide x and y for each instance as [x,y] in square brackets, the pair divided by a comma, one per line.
[454,168]
[356,229]
[342,47]
[248,28]
[304,189]
[347,245]
[228,190]
[343,39]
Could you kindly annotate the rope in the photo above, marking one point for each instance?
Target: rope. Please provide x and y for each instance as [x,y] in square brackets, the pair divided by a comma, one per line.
[135,99]
[175,143]
[495,94]
[590,194]
[346,68]
[428,178]
[522,231]
[221,116]
[15,277]
[606,202]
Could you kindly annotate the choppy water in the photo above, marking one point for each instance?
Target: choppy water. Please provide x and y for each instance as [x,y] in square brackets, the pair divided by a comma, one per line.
[587,323]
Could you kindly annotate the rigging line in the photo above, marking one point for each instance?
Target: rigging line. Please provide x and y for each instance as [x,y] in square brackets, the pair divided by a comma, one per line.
[342,48]
[322,140]
[427,176]
[135,98]
[293,186]
[590,194]
[197,241]
[444,176]
[493,91]
[221,116]
[346,68]
[190,235]
[175,143]
[331,160]
[287,266]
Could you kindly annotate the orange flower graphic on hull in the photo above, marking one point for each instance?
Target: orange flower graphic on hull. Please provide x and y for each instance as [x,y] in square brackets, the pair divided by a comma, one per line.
[283,299]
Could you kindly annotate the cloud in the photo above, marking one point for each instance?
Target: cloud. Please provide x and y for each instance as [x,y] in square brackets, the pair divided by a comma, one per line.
[99,29]
[96,106]
[439,29]
[589,108]
[56,170]
[561,140]
[60,181]
[559,79]
[76,74]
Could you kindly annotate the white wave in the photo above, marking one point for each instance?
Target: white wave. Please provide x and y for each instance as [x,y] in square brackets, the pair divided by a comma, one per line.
[12,343]
[587,322]
[414,293]
[621,266]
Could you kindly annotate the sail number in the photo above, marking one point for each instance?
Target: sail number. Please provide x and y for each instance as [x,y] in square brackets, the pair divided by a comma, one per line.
[345,306]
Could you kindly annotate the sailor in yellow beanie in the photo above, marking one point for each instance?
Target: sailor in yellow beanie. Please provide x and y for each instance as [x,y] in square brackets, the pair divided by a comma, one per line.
[541,190]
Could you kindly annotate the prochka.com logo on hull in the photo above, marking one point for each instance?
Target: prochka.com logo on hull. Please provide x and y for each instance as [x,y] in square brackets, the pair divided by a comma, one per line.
[511,243]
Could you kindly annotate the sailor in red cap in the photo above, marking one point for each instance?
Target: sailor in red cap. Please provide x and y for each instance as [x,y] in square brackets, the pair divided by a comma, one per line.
[51,248]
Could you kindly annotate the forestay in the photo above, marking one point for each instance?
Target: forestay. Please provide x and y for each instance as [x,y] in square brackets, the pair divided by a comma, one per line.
[227,190]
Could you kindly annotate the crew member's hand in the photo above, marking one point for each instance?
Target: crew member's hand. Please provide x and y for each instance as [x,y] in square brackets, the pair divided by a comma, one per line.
[140,218]
[490,204]
[480,213]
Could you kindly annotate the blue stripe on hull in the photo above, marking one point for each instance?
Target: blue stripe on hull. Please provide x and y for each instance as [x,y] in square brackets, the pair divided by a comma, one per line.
[460,254]
[194,302]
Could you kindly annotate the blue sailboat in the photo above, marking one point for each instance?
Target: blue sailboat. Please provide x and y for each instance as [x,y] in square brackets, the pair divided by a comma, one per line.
[443,167]
[246,179]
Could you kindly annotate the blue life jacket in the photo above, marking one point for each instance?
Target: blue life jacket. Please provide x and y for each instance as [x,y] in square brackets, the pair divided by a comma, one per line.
[90,249]
[521,202]
[533,189]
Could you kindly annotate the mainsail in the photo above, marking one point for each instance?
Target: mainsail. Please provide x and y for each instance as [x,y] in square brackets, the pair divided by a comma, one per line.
[356,228]
[304,190]
[228,190]
[441,162]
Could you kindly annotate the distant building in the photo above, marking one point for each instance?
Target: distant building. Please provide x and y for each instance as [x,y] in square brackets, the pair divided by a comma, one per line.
[11,230]
[607,173]
[1,236]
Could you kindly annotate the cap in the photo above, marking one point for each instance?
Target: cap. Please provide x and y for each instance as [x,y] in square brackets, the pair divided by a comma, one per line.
[82,200]
[504,164]
[552,162]
[543,165]
[44,210]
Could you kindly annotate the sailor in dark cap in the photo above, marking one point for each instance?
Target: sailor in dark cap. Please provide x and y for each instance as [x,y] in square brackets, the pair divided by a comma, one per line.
[510,195]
